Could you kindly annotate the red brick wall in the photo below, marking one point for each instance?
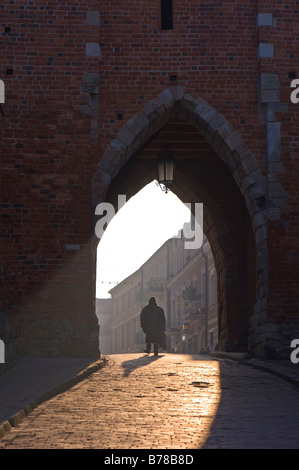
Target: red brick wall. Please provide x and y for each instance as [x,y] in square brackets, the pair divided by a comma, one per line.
[214,52]
[53,134]
[46,172]
[211,50]
[283,233]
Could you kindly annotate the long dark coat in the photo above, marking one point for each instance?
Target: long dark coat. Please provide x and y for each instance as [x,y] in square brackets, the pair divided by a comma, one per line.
[152,321]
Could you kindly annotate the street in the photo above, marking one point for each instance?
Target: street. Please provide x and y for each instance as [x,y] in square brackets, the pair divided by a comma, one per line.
[171,401]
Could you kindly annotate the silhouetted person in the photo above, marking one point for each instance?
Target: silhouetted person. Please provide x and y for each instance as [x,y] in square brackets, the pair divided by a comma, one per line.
[152,321]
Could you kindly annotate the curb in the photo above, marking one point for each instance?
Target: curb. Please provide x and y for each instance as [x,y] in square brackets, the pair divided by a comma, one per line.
[258,364]
[16,419]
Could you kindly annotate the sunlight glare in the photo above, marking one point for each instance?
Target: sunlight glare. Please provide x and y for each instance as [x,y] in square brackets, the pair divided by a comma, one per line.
[136,232]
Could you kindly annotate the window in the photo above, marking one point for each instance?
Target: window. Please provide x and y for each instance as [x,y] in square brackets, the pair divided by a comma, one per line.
[166,14]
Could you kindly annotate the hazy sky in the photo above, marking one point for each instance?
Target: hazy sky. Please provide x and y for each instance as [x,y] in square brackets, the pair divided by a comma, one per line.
[141,226]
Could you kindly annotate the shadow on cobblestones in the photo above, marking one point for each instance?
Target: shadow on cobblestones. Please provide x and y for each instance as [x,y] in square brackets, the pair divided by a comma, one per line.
[170,401]
[130,366]
[257,410]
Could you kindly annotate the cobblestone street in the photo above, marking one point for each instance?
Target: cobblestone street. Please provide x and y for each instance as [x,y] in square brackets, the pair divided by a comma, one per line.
[166,402]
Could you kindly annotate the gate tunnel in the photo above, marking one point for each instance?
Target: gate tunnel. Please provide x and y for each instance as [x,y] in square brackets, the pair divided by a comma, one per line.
[213,166]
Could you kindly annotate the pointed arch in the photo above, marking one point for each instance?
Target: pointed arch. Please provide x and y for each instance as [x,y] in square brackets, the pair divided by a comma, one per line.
[175,103]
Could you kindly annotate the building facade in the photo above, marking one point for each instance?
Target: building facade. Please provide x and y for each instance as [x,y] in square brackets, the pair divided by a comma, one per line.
[104,315]
[192,288]
[125,323]
[184,285]
[131,295]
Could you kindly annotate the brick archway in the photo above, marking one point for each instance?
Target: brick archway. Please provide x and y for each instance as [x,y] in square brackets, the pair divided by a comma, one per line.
[241,167]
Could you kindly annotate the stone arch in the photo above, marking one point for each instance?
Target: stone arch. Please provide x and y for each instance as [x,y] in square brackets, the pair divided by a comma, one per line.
[175,103]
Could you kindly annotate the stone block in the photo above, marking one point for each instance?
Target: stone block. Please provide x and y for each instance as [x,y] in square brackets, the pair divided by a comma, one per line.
[273,141]
[269,81]
[249,165]
[99,191]
[278,107]
[233,140]
[138,124]
[265,51]
[201,104]
[262,263]
[177,92]
[261,233]
[264,19]
[90,83]
[111,155]
[93,50]
[208,113]
[275,167]
[188,102]
[225,129]
[125,135]
[119,146]
[166,98]
[93,18]
[102,177]
[217,121]
[254,190]
[270,96]
[153,109]
[258,220]
[194,115]
[108,166]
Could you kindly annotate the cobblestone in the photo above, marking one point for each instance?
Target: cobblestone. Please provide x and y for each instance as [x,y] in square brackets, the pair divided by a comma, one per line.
[166,402]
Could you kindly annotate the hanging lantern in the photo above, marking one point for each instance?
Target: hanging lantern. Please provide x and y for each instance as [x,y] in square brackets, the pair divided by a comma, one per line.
[165,165]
